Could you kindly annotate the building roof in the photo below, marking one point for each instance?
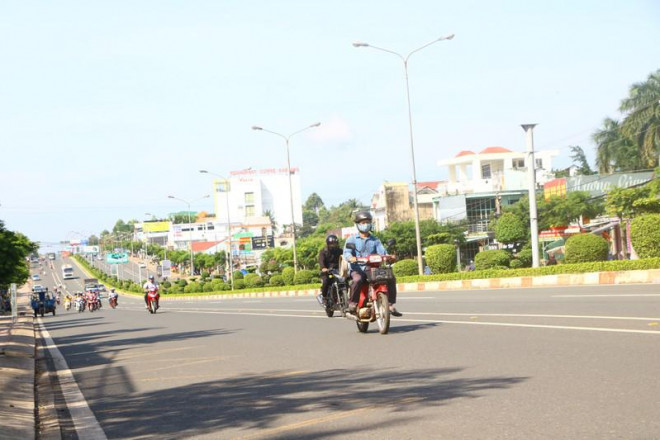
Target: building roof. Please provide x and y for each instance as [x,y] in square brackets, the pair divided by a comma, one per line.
[494,150]
[464,153]
[433,184]
[201,246]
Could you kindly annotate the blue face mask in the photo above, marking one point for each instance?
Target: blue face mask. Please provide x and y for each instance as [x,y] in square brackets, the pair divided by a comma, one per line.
[364,227]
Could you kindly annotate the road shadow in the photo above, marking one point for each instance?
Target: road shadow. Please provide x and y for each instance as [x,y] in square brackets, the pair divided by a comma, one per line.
[411,327]
[254,404]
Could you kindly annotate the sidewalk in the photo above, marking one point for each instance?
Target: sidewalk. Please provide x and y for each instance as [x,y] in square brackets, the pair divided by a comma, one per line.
[17,364]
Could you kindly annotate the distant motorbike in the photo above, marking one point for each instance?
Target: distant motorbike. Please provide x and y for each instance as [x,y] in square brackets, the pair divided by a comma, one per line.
[112,301]
[67,303]
[374,301]
[80,304]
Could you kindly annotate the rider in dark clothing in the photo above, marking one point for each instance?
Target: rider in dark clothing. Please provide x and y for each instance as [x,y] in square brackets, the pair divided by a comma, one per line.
[328,260]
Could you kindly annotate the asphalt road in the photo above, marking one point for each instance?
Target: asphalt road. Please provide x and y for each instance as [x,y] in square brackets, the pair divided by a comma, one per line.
[578,363]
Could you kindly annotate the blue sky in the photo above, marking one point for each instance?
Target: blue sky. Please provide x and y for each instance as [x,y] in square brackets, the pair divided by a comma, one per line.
[106,107]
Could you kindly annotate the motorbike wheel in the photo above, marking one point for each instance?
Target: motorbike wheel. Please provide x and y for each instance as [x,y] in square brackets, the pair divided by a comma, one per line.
[152,307]
[362,326]
[53,312]
[382,306]
[343,301]
[42,312]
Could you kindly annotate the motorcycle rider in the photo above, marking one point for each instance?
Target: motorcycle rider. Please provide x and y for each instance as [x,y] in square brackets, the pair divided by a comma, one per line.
[328,260]
[365,244]
[114,295]
[149,286]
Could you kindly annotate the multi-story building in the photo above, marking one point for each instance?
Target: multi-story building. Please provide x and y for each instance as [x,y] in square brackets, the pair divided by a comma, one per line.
[255,193]
[480,184]
[393,203]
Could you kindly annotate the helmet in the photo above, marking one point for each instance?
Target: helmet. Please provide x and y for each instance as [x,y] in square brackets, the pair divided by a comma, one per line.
[362,215]
[151,277]
[332,240]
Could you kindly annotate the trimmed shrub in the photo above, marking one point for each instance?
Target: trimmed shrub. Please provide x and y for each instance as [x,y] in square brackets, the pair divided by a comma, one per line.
[491,258]
[222,286]
[405,268]
[645,235]
[510,229]
[238,275]
[182,283]
[253,280]
[209,287]
[304,277]
[239,284]
[193,287]
[525,257]
[584,248]
[441,258]
[175,289]
[287,275]
[276,280]
[516,263]
[166,284]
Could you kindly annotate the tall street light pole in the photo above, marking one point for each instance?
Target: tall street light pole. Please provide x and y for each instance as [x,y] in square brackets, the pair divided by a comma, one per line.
[147,249]
[531,190]
[231,265]
[288,163]
[412,148]
[192,261]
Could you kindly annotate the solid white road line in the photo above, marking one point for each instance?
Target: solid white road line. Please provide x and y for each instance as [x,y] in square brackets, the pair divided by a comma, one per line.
[84,420]
[627,295]
[433,321]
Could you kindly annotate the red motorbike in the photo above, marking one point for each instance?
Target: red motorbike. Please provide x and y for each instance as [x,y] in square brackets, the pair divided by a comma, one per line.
[152,300]
[92,303]
[374,302]
[112,301]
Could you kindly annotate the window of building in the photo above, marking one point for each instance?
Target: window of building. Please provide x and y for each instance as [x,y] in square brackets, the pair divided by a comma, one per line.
[539,164]
[485,171]
[518,164]
[249,198]
[249,211]
[222,186]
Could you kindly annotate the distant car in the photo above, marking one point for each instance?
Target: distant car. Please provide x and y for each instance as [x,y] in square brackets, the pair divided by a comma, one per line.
[36,277]
[101,287]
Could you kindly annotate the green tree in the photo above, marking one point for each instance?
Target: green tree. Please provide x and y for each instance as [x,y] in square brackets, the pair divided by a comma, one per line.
[313,203]
[580,160]
[510,229]
[615,152]
[630,202]
[642,121]
[14,249]
[645,235]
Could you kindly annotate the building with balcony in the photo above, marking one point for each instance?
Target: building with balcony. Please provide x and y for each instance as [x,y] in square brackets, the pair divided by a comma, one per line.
[393,202]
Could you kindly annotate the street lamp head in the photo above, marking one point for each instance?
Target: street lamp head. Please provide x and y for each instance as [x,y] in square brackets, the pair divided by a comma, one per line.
[203,171]
[315,125]
[448,37]
[171,197]
[360,44]
[255,127]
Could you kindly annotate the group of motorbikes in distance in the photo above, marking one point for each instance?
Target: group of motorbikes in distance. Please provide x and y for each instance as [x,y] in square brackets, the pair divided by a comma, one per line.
[90,300]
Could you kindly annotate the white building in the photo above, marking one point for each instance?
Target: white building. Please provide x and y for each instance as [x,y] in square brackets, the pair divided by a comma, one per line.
[494,169]
[254,192]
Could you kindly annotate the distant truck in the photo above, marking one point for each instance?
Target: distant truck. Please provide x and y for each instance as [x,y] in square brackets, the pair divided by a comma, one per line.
[67,272]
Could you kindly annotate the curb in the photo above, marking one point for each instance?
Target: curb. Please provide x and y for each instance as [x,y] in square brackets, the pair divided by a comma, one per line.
[17,372]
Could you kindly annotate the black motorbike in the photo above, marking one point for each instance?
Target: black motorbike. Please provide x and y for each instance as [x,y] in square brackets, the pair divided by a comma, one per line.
[337,299]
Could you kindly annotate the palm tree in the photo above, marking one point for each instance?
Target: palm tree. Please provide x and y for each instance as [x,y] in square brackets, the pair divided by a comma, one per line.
[614,148]
[642,122]
[273,224]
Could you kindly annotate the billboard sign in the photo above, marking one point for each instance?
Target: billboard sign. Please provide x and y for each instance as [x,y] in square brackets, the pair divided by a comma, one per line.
[166,268]
[116,257]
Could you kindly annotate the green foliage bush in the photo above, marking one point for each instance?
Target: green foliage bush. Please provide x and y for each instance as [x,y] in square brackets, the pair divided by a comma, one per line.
[304,277]
[182,283]
[596,266]
[239,284]
[287,275]
[253,280]
[238,275]
[276,280]
[645,235]
[525,257]
[516,264]
[405,268]
[166,284]
[491,258]
[510,229]
[209,287]
[584,248]
[441,258]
